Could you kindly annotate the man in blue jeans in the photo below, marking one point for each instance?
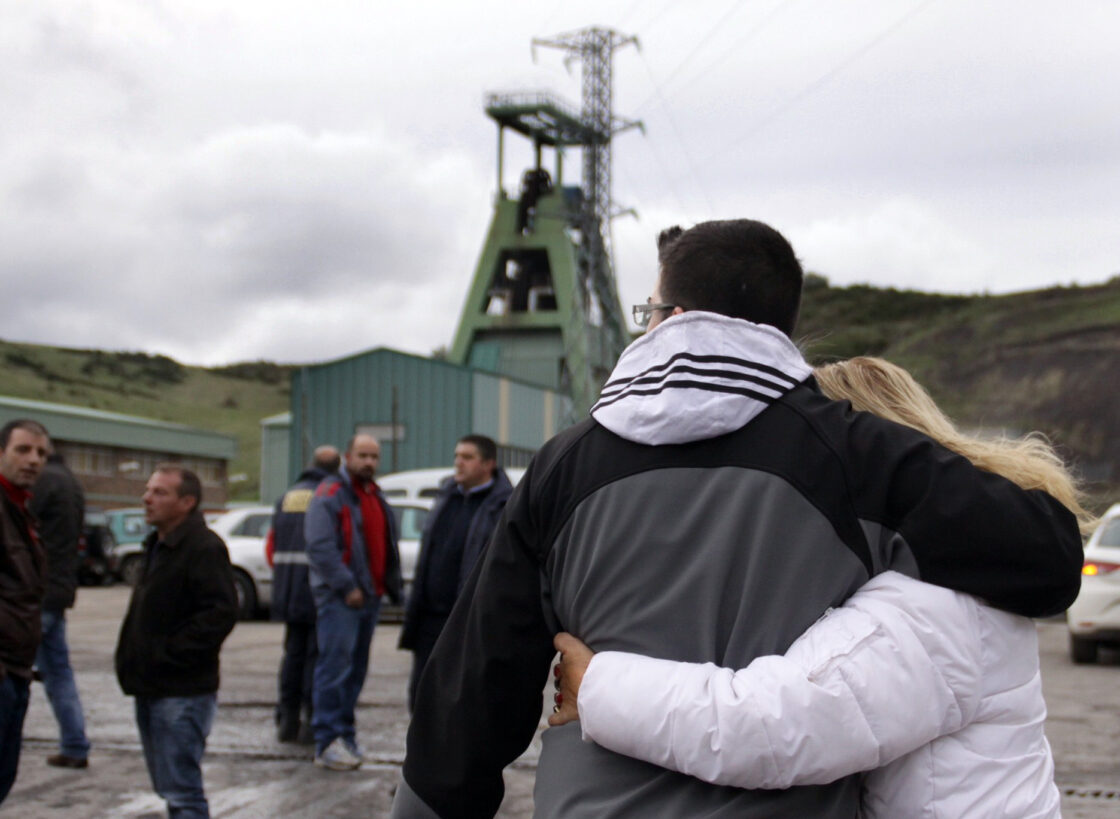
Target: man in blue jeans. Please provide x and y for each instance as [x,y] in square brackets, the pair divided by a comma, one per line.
[58,503]
[352,553]
[182,608]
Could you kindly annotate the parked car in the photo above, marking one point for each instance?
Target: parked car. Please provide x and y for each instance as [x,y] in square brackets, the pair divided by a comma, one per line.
[244,530]
[424,483]
[95,549]
[129,530]
[413,484]
[1094,618]
[410,515]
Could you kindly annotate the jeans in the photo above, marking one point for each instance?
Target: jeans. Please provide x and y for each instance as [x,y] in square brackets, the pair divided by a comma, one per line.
[344,637]
[297,669]
[53,661]
[14,693]
[173,732]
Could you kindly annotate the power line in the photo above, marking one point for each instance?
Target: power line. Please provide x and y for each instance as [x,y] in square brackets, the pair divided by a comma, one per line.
[736,6]
[824,79]
[680,140]
[676,77]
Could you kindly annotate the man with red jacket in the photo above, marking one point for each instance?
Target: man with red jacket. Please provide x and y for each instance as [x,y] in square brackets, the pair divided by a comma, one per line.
[352,554]
[23,570]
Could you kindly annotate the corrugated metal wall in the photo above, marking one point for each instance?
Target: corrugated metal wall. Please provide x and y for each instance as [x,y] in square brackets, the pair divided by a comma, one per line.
[436,403]
[275,445]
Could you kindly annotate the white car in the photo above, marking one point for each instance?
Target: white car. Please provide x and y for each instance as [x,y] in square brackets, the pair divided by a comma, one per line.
[410,515]
[424,483]
[1094,618]
[244,530]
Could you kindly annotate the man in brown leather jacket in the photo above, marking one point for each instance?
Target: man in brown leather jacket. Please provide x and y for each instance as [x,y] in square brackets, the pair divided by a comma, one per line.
[23,451]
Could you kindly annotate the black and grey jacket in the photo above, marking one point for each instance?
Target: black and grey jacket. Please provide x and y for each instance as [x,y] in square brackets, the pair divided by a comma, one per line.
[714,507]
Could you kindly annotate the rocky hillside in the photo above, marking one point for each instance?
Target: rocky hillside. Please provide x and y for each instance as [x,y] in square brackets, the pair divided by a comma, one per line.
[1041,360]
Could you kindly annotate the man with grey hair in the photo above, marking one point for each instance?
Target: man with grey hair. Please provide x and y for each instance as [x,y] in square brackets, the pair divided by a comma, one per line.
[182,608]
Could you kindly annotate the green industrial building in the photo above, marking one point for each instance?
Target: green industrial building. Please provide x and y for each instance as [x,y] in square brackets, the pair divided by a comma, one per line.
[417,407]
[113,455]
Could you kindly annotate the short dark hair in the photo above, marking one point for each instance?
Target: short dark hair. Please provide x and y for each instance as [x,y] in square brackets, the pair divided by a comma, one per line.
[736,267]
[189,484]
[20,423]
[487,449]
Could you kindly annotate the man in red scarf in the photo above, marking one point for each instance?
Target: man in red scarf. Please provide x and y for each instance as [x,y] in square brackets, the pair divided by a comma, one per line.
[353,560]
[24,446]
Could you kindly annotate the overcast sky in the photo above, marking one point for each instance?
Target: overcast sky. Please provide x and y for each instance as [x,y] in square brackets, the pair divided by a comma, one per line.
[225,181]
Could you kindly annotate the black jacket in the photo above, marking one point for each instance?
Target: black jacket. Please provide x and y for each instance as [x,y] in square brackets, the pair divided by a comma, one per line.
[482,526]
[287,549]
[58,503]
[181,611]
[23,572]
[721,545]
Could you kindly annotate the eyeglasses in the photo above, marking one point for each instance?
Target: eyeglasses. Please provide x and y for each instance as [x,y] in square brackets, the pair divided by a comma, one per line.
[644,312]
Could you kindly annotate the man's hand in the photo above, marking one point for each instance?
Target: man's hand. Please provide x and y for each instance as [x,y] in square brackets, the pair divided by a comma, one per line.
[354,599]
[574,659]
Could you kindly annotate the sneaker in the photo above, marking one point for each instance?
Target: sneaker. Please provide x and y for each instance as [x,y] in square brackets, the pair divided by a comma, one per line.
[354,748]
[64,761]
[337,757]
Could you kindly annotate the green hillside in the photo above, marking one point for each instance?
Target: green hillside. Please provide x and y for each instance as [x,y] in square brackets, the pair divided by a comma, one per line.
[231,400]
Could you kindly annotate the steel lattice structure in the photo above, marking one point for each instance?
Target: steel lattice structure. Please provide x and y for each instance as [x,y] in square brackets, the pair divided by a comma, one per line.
[594,48]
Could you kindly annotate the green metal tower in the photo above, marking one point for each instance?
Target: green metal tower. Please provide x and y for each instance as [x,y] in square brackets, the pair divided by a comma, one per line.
[543,305]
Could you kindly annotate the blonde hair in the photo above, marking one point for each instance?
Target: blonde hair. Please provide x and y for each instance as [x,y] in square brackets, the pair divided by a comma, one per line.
[877,386]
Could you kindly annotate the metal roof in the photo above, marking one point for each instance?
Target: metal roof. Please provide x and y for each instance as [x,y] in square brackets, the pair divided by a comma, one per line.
[85,425]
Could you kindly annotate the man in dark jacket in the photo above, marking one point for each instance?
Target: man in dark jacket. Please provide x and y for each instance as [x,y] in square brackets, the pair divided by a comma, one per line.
[58,503]
[352,551]
[182,608]
[23,451]
[291,598]
[455,533]
[710,510]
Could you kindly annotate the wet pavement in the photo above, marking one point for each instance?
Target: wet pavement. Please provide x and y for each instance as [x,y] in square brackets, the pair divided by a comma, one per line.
[248,774]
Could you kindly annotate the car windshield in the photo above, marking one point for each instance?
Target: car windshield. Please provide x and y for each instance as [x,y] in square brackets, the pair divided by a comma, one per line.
[410,521]
[134,525]
[255,525]
[1111,534]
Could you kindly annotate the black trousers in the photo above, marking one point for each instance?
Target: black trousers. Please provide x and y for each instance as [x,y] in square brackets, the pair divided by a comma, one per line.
[297,668]
[428,628]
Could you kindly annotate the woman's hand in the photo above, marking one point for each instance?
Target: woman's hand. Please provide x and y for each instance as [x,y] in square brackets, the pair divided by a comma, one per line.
[568,675]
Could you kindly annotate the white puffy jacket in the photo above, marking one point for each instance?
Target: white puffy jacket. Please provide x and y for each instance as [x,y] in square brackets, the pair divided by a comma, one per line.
[936,694]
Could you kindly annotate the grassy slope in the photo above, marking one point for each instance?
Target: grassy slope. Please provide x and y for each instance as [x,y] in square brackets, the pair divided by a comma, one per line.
[151,387]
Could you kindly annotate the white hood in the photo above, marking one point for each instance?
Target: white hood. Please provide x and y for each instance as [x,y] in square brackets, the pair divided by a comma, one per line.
[697,375]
